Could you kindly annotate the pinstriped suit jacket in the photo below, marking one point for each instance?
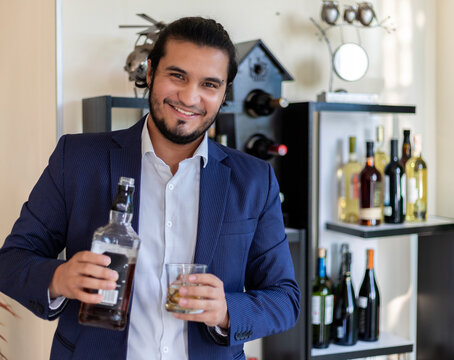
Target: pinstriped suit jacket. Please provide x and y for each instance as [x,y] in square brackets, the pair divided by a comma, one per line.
[240,236]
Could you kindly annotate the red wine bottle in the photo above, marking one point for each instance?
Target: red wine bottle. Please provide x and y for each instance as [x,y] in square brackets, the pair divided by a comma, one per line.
[394,182]
[260,103]
[370,195]
[369,303]
[345,320]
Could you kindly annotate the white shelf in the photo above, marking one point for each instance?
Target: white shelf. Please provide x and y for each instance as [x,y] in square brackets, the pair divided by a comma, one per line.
[386,345]
[431,225]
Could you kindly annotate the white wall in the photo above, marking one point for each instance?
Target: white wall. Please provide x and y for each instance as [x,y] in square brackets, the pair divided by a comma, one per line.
[27,137]
[402,70]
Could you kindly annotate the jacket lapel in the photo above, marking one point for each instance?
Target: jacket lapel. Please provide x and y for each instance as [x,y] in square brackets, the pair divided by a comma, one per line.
[214,185]
[126,160]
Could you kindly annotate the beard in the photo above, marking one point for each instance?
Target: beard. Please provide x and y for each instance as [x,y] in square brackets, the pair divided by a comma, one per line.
[175,135]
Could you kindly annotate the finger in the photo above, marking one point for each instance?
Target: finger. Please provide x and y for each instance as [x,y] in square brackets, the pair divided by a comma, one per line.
[95,284]
[199,304]
[91,257]
[206,279]
[207,292]
[88,298]
[100,272]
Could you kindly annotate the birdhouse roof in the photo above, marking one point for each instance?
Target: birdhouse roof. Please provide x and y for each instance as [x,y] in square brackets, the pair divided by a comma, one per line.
[243,49]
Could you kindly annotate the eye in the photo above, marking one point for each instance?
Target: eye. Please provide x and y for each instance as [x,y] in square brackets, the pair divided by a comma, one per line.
[211,85]
[177,76]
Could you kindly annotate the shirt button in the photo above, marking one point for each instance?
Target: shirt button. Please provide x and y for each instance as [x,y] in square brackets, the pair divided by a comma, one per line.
[169,223]
[165,349]
[170,186]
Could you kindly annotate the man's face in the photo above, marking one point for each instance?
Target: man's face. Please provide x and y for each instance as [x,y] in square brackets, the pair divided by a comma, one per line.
[187,90]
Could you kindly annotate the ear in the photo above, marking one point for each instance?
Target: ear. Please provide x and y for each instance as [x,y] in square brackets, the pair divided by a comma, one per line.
[149,73]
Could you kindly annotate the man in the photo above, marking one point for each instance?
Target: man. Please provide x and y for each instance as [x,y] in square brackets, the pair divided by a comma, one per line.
[195,201]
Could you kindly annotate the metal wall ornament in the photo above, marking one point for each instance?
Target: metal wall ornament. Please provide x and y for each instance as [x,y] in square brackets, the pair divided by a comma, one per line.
[136,62]
[349,61]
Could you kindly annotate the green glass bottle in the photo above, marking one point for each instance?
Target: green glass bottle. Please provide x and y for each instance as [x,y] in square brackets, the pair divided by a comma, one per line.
[322,305]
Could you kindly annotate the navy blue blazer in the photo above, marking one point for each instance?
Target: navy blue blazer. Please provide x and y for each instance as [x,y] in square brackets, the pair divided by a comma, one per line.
[240,236]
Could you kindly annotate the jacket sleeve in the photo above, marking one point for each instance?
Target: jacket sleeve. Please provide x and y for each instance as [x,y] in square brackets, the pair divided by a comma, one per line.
[28,257]
[271,301]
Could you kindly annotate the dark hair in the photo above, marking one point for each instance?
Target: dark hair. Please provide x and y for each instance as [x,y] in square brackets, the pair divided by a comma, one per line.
[200,31]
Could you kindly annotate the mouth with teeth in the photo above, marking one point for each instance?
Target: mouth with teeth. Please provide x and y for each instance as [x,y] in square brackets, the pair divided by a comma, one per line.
[186,112]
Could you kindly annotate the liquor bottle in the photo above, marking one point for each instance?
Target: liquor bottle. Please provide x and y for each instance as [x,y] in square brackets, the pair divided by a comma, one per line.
[394,182]
[380,157]
[262,147]
[260,103]
[349,186]
[345,320]
[406,149]
[322,305]
[416,174]
[119,241]
[370,195]
[369,303]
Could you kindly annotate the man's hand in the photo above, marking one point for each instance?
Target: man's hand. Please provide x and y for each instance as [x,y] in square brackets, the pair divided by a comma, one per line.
[209,297]
[84,271]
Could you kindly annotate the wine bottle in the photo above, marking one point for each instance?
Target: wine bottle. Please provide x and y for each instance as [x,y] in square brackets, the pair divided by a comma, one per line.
[394,181]
[406,149]
[260,103]
[262,147]
[322,305]
[349,187]
[120,242]
[416,174]
[369,303]
[370,199]
[380,157]
[345,320]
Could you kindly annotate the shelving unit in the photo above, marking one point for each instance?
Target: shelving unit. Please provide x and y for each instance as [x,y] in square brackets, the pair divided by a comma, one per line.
[387,344]
[434,224]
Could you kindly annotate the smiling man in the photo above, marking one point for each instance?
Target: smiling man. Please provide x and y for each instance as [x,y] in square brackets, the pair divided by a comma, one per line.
[196,201]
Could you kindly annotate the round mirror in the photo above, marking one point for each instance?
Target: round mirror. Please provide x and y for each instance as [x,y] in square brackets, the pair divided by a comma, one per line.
[350,62]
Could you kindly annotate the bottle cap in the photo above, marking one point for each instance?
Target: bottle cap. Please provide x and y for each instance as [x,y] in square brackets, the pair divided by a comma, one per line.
[125,181]
[352,144]
[321,252]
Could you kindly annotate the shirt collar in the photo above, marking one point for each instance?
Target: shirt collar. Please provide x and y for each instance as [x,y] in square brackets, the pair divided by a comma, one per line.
[147,146]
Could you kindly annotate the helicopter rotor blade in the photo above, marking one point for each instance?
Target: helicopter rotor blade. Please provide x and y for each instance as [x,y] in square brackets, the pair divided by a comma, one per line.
[148,18]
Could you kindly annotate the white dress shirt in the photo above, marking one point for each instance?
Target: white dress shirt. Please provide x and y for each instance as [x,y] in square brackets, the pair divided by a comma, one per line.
[168,217]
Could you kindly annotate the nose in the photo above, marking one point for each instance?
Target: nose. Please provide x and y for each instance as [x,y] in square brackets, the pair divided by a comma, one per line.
[189,94]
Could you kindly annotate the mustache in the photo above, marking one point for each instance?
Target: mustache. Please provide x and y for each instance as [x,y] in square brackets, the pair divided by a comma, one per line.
[193,108]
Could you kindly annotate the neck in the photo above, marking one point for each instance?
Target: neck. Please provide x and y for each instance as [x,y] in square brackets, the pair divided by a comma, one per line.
[172,154]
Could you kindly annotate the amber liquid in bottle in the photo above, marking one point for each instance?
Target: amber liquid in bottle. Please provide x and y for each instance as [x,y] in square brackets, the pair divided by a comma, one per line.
[120,242]
[370,201]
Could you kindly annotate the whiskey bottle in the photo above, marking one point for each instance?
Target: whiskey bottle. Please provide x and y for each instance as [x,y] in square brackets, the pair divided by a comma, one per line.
[119,241]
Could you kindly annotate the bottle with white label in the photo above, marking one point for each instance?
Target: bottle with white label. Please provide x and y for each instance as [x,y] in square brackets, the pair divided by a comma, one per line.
[371,191]
[369,303]
[394,182]
[345,317]
[120,242]
[416,173]
[322,305]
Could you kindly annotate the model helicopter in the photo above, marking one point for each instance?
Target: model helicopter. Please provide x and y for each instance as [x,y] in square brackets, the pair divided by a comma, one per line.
[136,62]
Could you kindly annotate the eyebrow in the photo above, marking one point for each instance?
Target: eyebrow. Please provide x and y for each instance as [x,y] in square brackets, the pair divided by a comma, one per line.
[212,79]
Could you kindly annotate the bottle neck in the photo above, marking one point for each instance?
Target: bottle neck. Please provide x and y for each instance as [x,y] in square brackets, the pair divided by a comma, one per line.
[370,161]
[321,267]
[352,157]
[119,217]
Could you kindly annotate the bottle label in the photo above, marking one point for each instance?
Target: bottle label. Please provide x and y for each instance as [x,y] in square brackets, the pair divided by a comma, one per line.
[387,211]
[119,263]
[329,302]
[412,190]
[354,186]
[316,308]
[362,302]
[386,199]
[377,191]
[370,213]
[340,332]
[403,186]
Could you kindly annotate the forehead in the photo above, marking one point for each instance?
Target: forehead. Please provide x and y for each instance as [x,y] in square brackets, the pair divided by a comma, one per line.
[203,60]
